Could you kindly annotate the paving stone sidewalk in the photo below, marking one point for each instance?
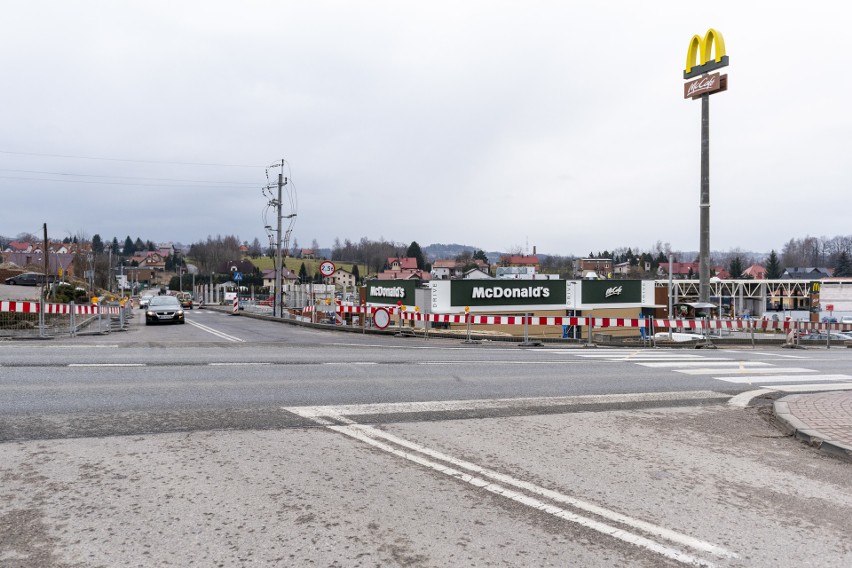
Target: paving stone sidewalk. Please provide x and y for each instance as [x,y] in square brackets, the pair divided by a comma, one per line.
[823,420]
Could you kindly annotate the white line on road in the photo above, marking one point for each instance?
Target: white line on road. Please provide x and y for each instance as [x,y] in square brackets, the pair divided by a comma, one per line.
[735,371]
[814,387]
[215,332]
[106,364]
[497,403]
[238,364]
[780,355]
[707,363]
[373,437]
[783,378]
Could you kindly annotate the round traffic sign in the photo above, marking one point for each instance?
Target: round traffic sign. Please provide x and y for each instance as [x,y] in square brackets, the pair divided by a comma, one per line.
[381,318]
[327,268]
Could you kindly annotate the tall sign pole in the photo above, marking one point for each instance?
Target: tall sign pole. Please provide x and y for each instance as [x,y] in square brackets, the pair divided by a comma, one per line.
[701,88]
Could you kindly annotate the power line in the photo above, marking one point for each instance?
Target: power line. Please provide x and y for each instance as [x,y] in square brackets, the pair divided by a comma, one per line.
[129,160]
[125,177]
[199,185]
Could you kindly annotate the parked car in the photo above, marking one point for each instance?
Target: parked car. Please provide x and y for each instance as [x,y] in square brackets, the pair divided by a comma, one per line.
[164,309]
[26,279]
[823,336]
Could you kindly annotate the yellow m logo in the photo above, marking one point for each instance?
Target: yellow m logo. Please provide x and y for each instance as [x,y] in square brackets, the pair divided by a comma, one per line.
[703,47]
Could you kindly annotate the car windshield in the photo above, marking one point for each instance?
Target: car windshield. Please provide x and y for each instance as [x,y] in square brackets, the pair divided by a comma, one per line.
[164,301]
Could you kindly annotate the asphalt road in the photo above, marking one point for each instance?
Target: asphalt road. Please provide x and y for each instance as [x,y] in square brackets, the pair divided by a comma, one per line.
[238,442]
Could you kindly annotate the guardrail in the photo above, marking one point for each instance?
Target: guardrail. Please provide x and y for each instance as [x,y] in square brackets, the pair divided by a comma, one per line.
[21,320]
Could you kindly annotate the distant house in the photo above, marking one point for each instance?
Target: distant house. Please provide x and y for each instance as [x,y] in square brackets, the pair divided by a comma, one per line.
[150,259]
[403,268]
[602,267]
[519,260]
[244,266]
[449,269]
[404,275]
[287,277]
[342,278]
[402,263]
[308,254]
[679,269]
[19,246]
[35,261]
[166,249]
[806,273]
[445,269]
[755,271]
[476,274]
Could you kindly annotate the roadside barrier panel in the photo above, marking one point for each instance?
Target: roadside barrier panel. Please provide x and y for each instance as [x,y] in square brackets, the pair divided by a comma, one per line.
[29,320]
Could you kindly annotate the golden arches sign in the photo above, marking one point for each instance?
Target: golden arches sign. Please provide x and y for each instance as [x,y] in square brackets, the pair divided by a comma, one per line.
[698,55]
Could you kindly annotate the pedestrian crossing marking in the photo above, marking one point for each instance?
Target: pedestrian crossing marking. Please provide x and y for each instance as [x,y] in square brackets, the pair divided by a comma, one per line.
[783,378]
[715,363]
[709,371]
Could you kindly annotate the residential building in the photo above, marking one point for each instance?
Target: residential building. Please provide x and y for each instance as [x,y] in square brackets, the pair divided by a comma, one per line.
[287,277]
[755,272]
[806,273]
[601,267]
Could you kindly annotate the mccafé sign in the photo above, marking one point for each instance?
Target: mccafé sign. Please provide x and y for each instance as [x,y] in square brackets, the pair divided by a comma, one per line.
[705,85]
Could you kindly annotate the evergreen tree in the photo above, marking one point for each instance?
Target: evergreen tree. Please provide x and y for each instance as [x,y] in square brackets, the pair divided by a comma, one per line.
[97,244]
[736,267]
[138,245]
[415,252]
[356,274]
[480,255]
[129,248]
[303,274]
[114,246]
[773,266]
[842,267]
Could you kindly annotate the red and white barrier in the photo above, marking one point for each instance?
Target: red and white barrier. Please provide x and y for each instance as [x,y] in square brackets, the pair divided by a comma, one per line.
[33,308]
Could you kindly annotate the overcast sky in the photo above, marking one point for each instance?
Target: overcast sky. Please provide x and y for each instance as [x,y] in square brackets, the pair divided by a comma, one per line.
[500,125]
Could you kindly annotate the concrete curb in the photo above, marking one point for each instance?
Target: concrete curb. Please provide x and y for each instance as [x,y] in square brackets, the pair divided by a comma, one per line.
[792,426]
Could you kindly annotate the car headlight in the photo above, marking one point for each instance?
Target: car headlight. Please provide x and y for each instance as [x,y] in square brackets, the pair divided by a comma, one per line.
[180,312]
[149,313]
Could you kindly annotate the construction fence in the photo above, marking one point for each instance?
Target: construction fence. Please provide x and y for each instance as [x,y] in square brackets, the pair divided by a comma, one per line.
[33,320]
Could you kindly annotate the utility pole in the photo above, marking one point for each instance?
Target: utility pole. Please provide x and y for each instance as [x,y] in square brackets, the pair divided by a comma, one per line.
[278,265]
[280,249]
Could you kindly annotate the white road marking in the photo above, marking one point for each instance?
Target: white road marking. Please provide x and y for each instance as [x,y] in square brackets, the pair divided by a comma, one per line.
[499,363]
[780,355]
[497,403]
[814,388]
[742,399]
[707,363]
[378,439]
[216,332]
[783,378]
[638,356]
[244,364]
[349,363]
[106,364]
[735,371]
